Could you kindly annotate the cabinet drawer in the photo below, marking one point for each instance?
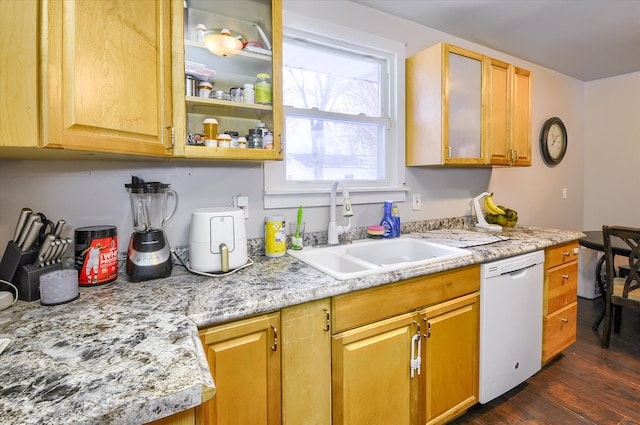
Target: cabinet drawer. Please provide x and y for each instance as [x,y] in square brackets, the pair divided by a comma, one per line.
[561,287]
[560,254]
[559,331]
[370,305]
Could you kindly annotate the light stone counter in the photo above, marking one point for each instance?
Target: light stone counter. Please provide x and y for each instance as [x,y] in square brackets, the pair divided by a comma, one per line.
[129,353]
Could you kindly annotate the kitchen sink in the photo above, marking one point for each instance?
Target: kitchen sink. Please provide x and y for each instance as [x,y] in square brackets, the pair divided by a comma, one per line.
[366,257]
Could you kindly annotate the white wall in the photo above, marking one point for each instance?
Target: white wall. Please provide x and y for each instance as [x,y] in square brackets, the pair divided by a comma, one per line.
[612,154]
[92,192]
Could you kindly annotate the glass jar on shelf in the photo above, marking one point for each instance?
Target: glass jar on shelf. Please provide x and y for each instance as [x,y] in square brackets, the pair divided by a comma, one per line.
[263,90]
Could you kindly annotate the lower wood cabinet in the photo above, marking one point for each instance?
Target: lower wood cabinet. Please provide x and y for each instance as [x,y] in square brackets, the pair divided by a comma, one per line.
[419,366]
[371,379]
[306,363]
[451,358]
[402,353]
[244,358]
[560,299]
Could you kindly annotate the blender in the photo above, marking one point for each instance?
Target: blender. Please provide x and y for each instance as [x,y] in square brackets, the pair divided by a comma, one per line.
[149,254]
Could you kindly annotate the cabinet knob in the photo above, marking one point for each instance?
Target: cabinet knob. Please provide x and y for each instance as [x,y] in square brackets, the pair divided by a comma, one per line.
[565,320]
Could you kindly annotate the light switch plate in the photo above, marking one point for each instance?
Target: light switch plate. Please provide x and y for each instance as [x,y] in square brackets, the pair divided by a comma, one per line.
[417,202]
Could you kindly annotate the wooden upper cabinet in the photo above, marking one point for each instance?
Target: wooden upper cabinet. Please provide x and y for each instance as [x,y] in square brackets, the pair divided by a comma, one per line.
[444,107]
[509,114]
[521,117]
[466,109]
[107,85]
[19,75]
[243,17]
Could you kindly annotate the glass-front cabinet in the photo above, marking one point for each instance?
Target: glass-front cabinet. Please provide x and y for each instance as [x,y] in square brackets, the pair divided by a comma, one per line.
[466,109]
[232,79]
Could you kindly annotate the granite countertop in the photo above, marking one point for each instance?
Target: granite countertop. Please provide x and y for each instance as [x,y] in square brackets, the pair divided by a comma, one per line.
[130,352]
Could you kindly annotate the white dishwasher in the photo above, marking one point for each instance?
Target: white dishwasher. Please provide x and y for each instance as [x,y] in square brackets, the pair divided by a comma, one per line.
[510,322]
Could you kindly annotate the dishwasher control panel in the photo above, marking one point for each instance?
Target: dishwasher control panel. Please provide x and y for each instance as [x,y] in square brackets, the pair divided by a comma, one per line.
[509,265]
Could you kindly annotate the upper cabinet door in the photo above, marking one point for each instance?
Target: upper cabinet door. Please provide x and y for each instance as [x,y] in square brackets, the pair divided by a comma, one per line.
[521,117]
[463,94]
[445,115]
[509,114]
[255,21]
[107,84]
[19,75]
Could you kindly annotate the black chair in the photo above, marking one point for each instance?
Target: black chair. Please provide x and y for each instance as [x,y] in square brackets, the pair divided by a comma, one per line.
[620,291]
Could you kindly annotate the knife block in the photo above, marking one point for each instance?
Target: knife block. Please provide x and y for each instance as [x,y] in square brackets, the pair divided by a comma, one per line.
[12,260]
[29,280]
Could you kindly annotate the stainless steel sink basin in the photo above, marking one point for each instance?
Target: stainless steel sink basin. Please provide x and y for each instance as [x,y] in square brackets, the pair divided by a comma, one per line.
[366,257]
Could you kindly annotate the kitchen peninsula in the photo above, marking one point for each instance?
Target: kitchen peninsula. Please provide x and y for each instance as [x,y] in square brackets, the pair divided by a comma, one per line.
[130,352]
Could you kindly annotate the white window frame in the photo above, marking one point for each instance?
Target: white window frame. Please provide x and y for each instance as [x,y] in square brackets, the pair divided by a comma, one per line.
[279,193]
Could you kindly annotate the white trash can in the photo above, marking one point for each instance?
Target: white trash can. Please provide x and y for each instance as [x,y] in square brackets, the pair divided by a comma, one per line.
[587,261]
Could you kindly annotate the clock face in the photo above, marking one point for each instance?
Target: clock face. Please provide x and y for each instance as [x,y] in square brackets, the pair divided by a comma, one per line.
[555,141]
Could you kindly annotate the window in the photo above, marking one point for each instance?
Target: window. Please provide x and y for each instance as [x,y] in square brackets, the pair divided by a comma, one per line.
[341,108]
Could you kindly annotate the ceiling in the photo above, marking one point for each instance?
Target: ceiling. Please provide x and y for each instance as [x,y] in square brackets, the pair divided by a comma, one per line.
[585,39]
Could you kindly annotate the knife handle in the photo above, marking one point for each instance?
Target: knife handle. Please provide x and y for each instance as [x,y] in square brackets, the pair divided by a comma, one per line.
[25,229]
[22,219]
[32,235]
[46,245]
[59,226]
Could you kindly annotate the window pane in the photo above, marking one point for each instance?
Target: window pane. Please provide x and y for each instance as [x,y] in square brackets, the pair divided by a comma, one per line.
[331,80]
[325,149]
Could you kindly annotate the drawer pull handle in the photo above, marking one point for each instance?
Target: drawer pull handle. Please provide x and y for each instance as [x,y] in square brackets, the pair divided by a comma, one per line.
[274,347]
[327,326]
[565,320]
[566,253]
[565,277]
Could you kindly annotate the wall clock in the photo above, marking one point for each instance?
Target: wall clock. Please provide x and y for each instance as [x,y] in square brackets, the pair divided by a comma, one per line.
[553,141]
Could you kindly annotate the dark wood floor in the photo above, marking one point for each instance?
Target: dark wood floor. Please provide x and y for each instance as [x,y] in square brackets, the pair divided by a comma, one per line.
[585,385]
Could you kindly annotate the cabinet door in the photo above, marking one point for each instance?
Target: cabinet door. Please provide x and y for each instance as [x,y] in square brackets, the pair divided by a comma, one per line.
[498,138]
[306,364]
[243,17]
[19,75]
[450,360]
[521,117]
[371,376]
[463,94]
[509,114]
[108,76]
[244,358]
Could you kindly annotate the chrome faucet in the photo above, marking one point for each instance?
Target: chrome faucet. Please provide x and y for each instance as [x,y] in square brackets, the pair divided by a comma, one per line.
[334,230]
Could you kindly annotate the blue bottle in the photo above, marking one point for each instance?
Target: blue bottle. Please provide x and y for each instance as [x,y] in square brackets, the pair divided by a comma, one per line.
[388,222]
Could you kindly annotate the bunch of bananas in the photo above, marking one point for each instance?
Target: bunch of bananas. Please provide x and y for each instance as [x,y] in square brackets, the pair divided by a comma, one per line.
[497,214]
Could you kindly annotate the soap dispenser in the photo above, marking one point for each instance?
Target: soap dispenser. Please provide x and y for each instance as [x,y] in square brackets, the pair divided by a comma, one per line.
[395,214]
[388,222]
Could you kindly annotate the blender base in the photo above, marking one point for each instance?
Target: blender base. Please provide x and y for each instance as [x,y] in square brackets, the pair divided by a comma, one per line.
[149,256]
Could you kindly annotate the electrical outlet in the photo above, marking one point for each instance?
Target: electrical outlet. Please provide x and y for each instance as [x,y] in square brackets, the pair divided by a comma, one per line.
[242,202]
[417,202]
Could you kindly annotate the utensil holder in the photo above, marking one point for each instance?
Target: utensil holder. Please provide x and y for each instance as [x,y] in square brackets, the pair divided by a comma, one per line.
[13,259]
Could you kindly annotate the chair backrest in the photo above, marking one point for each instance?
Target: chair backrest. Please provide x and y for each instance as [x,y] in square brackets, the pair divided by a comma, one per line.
[631,237]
